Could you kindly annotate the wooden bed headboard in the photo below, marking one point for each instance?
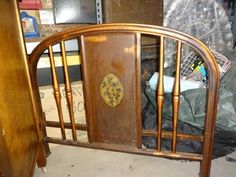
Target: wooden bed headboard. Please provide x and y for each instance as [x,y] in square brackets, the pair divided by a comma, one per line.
[111,71]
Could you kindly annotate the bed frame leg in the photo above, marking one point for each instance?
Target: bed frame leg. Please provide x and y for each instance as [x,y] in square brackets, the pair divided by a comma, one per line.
[205,168]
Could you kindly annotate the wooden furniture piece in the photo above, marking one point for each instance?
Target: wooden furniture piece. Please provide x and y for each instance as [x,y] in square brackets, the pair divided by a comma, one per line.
[19,133]
[111,84]
[146,12]
[136,11]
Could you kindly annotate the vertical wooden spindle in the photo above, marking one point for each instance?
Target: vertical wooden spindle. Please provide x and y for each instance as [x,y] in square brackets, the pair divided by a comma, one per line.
[57,93]
[160,94]
[68,91]
[176,95]
[138,89]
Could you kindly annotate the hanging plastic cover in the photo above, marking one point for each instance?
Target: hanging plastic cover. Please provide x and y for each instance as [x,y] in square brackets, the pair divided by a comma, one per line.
[204,19]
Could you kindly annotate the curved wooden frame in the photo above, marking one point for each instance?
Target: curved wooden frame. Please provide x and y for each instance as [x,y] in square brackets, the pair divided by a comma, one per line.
[138,29]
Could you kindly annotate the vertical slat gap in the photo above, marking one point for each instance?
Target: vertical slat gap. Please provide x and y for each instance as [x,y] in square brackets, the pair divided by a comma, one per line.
[160,94]
[68,90]
[176,95]
[57,93]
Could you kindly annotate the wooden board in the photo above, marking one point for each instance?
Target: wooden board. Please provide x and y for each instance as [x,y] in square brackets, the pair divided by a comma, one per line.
[104,55]
[18,131]
[135,11]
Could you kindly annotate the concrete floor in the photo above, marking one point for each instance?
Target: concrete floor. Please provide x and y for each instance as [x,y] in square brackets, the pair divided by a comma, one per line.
[68,161]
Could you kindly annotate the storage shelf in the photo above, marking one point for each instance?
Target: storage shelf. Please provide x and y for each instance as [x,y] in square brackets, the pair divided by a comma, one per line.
[71,45]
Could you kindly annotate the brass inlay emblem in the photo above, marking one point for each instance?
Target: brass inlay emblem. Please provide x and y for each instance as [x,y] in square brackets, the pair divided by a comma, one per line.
[111,90]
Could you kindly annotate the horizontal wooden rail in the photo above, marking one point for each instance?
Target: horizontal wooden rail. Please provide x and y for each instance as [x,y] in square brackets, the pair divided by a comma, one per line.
[169,135]
[67,125]
[127,149]
[120,36]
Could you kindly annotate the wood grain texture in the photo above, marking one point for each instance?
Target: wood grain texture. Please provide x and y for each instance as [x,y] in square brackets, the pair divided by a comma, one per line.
[138,108]
[160,94]
[111,125]
[56,91]
[169,135]
[129,149]
[19,138]
[176,95]
[115,48]
[146,12]
[69,96]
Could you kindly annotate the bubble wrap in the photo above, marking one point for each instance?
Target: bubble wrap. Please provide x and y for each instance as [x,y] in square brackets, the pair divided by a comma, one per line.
[204,19]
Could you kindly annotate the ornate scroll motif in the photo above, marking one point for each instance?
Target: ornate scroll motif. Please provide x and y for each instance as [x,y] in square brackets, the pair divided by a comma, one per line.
[111,90]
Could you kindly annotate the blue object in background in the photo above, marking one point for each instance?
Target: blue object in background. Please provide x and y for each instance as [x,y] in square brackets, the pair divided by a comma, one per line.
[30,25]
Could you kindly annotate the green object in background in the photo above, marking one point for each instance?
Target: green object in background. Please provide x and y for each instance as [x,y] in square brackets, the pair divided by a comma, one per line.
[192,102]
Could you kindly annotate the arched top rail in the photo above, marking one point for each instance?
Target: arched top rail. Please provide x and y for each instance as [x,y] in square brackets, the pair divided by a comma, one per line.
[103,60]
[199,46]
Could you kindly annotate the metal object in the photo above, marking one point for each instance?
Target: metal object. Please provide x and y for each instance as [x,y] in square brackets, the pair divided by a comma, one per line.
[99,11]
[75,11]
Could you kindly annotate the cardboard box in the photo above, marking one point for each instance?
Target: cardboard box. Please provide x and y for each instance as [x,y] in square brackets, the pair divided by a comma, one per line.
[50,109]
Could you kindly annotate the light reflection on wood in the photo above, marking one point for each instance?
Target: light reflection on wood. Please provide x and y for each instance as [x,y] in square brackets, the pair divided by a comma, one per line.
[68,90]
[57,93]
[160,94]
[176,96]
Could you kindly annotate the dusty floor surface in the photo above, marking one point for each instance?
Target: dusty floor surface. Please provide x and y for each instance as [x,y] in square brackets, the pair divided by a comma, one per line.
[79,162]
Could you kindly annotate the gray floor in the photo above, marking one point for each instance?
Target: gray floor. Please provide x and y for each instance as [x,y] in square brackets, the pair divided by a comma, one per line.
[80,162]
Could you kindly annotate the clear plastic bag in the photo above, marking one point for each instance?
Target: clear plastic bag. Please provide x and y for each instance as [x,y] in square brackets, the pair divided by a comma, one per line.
[204,19]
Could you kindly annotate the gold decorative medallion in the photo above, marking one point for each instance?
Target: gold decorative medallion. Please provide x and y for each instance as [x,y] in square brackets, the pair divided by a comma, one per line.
[111,90]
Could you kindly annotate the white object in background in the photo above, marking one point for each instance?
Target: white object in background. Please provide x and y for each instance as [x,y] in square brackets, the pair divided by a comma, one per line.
[169,83]
[46,17]
[71,45]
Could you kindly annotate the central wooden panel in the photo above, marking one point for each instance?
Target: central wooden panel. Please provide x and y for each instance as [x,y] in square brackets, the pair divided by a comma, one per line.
[114,55]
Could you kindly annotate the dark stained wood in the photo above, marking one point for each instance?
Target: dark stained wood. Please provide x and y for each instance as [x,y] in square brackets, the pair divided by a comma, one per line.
[19,132]
[66,125]
[87,97]
[128,149]
[6,168]
[115,49]
[111,125]
[45,152]
[169,135]
[138,90]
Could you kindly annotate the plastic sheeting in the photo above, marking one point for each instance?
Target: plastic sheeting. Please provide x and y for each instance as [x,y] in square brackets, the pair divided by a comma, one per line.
[192,102]
[192,115]
[225,141]
[204,19]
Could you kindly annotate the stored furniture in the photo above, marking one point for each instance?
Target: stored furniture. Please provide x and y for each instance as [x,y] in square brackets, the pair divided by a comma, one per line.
[19,133]
[111,71]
